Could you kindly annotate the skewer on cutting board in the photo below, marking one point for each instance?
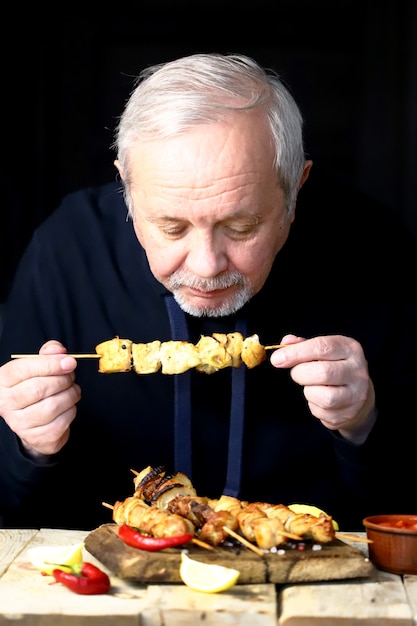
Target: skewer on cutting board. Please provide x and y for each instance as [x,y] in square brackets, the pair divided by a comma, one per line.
[197,542]
[352,537]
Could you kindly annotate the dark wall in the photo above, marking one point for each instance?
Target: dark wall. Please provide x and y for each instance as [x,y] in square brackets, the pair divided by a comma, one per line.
[352,66]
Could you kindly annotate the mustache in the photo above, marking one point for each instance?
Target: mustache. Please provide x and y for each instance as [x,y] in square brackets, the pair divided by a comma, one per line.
[181,278]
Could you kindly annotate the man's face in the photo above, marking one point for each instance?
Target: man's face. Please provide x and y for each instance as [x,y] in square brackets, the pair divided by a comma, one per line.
[209,212]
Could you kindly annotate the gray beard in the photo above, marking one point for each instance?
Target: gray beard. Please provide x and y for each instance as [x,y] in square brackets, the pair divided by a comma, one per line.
[230,306]
[226,308]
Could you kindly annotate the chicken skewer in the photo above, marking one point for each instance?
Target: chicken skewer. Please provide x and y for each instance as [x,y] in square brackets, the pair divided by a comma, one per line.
[264,524]
[127,512]
[210,354]
[149,519]
[175,357]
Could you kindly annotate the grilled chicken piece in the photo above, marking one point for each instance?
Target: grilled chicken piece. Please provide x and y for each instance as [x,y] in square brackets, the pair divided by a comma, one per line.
[213,355]
[213,531]
[233,343]
[151,520]
[210,522]
[256,527]
[228,503]
[178,356]
[253,353]
[194,508]
[319,529]
[146,357]
[116,356]
[280,511]
[172,357]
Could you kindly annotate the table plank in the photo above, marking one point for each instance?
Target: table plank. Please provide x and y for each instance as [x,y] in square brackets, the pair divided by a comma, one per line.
[380,600]
[410,585]
[177,605]
[11,543]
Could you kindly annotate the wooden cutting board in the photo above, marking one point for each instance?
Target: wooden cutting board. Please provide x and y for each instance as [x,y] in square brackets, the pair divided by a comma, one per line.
[335,561]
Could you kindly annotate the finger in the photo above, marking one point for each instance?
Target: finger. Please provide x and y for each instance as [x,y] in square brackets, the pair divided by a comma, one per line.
[334,404]
[292,339]
[287,340]
[327,348]
[295,350]
[322,373]
[52,347]
[50,438]
[19,370]
[44,411]
[33,391]
[327,398]
[45,390]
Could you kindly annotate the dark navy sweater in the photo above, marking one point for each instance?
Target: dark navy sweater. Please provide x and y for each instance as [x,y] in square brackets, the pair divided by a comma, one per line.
[85,279]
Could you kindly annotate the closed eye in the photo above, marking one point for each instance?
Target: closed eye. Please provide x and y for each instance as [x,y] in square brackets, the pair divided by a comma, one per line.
[241,229]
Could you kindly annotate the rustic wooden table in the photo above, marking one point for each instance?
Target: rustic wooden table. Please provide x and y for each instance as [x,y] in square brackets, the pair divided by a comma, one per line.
[28,599]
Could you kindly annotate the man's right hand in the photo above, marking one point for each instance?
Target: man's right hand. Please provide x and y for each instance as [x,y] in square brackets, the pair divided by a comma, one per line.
[38,398]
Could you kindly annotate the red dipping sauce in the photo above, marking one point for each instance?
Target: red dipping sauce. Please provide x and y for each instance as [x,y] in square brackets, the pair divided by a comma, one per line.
[401,523]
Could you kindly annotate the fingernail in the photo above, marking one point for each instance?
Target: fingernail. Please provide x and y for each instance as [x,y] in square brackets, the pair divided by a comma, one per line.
[67,363]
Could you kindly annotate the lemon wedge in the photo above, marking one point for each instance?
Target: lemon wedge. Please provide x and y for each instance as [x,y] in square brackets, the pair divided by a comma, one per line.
[48,558]
[311,510]
[206,577]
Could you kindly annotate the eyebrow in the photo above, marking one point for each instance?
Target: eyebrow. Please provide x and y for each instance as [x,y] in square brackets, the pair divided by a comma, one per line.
[240,216]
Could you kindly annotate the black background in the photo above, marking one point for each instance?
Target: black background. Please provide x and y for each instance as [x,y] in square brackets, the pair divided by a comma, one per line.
[68,70]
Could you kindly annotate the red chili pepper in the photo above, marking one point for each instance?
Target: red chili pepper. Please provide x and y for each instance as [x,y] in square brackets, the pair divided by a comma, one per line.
[136,539]
[85,579]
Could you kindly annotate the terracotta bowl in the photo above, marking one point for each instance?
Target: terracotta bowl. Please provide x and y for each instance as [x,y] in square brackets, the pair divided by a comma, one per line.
[394,547]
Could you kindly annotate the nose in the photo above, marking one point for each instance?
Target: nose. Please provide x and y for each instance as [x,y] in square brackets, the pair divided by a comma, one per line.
[206,256]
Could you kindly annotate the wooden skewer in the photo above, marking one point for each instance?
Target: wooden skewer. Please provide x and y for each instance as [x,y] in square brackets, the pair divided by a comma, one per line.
[250,545]
[289,535]
[245,542]
[202,544]
[351,537]
[76,356]
[98,356]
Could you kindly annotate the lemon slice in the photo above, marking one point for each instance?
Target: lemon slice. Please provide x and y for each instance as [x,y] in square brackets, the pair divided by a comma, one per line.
[206,577]
[48,558]
[311,510]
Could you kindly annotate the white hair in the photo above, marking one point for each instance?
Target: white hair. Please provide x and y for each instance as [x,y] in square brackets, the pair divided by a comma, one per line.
[171,98]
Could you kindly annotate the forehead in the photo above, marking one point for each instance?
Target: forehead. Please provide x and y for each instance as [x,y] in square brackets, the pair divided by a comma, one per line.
[229,154]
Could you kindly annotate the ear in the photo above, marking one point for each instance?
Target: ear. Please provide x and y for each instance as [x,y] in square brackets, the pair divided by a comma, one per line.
[304,176]
[307,167]
[119,168]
